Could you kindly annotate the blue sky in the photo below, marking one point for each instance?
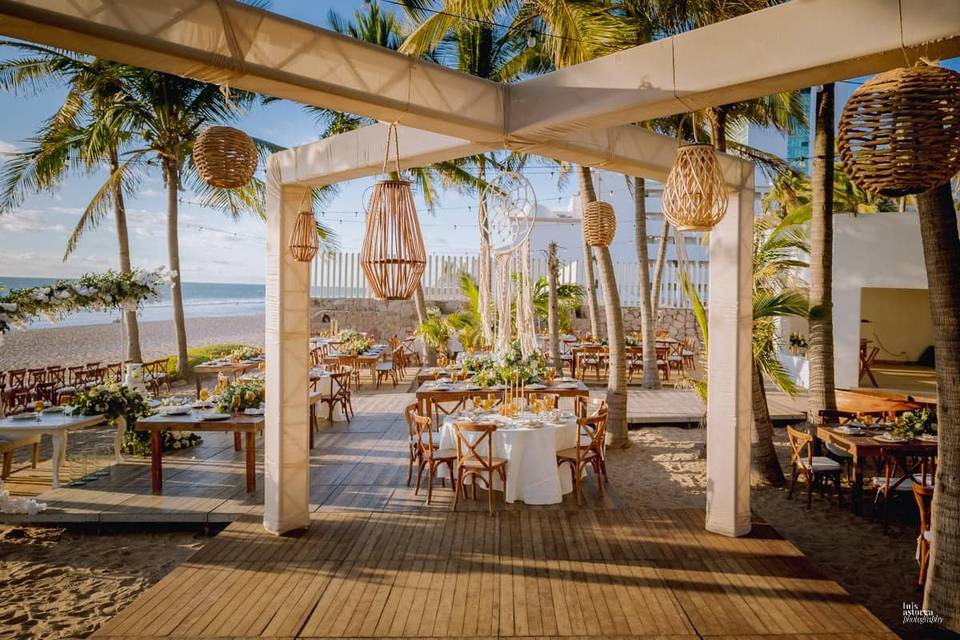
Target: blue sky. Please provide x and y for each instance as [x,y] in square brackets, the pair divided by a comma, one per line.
[213,248]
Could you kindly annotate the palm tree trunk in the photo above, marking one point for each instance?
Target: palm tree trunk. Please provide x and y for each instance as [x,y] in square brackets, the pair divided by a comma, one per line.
[822,395]
[766,466]
[123,240]
[171,169]
[420,301]
[941,251]
[658,273]
[485,277]
[587,194]
[651,377]
[553,325]
[617,372]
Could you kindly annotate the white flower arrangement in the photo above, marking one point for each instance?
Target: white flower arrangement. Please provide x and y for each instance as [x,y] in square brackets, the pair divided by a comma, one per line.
[96,292]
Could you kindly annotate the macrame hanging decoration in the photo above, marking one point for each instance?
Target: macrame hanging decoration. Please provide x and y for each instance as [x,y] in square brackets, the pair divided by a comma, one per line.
[899,132]
[392,255]
[511,208]
[304,241]
[694,196]
[485,294]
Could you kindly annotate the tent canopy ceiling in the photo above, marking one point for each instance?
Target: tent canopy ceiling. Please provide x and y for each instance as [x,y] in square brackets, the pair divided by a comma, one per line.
[797,44]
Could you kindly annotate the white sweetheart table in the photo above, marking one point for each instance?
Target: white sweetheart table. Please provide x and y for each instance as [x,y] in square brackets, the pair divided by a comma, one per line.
[56,425]
[532,473]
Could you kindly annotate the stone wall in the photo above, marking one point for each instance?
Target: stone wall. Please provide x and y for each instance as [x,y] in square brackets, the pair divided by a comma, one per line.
[379,318]
[383,318]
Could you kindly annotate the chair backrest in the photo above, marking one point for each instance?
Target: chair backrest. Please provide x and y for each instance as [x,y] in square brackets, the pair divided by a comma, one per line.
[923,494]
[409,412]
[440,408]
[424,435]
[340,383]
[471,449]
[801,444]
[114,371]
[594,429]
[36,376]
[46,391]
[830,415]
[55,374]
[913,462]
[585,407]
[18,378]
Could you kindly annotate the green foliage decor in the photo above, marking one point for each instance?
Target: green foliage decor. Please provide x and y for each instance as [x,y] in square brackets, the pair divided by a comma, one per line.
[506,368]
[251,395]
[911,424]
[94,292]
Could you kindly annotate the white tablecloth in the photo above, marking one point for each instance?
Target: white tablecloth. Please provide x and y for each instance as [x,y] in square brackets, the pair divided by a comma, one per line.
[324,384]
[532,473]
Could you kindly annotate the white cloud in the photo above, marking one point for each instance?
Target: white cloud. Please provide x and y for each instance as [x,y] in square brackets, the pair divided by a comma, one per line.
[7,148]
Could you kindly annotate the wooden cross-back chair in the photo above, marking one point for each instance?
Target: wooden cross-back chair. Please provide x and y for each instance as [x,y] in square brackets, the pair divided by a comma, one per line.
[441,408]
[36,376]
[475,460]
[339,395]
[903,467]
[409,352]
[663,364]
[813,468]
[634,361]
[923,494]
[594,357]
[585,406]
[430,456]
[590,450]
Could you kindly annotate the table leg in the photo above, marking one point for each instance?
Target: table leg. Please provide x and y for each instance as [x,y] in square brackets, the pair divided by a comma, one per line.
[198,385]
[236,441]
[59,453]
[156,460]
[251,462]
[857,492]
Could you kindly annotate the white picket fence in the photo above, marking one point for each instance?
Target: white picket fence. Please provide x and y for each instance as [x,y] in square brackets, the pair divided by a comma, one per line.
[338,275]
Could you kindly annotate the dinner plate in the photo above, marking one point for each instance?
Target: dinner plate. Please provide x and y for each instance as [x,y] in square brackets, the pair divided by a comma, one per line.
[26,415]
[568,385]
[214,416]
[850,431]
[178,410]
[927,437]
[535,386]
[253,412]
[887,438]
[54,409]
[498,387]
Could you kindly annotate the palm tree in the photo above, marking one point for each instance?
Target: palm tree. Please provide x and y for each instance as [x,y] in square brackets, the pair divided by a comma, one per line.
[82,135]
[941,251]
[593,307]
[822,396]
[553,325]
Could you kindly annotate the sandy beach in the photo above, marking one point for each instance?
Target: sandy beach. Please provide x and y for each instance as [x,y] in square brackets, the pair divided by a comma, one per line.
[101,342]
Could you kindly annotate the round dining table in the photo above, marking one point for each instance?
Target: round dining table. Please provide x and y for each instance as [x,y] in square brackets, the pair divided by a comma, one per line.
[529,444]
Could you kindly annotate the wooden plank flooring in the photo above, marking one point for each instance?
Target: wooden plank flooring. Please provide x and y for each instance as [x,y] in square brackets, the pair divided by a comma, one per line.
[529,573]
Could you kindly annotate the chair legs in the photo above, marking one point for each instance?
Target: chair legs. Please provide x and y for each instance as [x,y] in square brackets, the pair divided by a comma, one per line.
[35,457]
[813,481]
[7,463]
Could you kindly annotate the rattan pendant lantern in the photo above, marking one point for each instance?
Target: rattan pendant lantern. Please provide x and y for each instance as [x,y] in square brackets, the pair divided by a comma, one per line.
[392,256]
[695,197]
[304,241]
[899,132]
[225,157]
[599,223]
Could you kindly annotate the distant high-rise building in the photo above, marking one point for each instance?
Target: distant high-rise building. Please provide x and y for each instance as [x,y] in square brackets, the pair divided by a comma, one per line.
[798,142]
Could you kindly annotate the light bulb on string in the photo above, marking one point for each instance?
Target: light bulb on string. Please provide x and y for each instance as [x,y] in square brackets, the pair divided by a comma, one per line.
[531,38]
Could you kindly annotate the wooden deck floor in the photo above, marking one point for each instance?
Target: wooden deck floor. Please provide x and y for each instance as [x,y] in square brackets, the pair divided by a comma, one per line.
[610,573]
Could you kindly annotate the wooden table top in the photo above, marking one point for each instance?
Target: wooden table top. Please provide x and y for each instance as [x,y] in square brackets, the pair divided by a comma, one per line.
[193,422]
[218,367]
[866,444]
[427,389]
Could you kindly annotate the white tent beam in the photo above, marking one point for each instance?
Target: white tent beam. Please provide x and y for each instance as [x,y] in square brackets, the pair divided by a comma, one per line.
[226,42]
[790,46]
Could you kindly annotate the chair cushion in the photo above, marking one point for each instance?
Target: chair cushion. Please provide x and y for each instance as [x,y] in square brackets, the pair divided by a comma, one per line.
[444,454]
[476,464]
[820,463]
[571,454]
[385,366]
[838,451]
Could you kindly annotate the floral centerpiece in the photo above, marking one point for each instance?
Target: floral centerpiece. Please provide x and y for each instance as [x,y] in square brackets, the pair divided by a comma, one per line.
[122,406]
[97,292]
[240,396]
[509,367]
[911,424]
[246,353]
[355,345]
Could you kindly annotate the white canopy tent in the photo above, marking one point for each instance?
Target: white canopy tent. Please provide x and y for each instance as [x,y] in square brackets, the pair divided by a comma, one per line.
[561,114]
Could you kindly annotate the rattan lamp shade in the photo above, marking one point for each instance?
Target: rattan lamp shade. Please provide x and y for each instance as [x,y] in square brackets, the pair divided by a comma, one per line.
[392,256]
[695,197]
[899,133]
[225,157]
[599,223]
[304,241]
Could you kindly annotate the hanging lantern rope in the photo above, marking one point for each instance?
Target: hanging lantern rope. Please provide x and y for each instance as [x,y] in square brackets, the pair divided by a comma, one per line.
[392,256]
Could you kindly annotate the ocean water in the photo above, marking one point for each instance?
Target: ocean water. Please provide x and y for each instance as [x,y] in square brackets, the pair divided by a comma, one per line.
[200,299]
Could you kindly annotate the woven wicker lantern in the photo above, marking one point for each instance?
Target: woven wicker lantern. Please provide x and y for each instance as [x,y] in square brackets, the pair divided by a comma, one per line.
[225,157]
[304,241]
[392,255]
[899,133]
[599,223]
[695,196]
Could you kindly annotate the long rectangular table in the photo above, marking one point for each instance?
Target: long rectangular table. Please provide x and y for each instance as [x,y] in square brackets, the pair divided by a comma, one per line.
[56,425]
[426,394]
[230,368]
[863,448]
[248,425]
